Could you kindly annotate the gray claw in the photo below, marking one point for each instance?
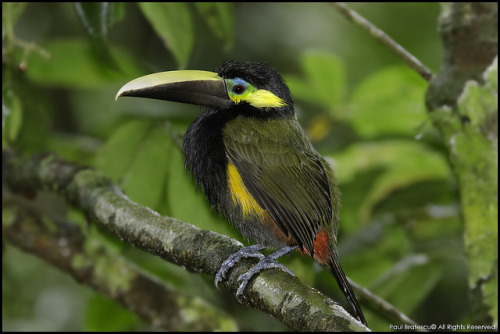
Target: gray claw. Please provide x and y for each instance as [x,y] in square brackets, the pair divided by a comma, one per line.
[250,251]
[266,263]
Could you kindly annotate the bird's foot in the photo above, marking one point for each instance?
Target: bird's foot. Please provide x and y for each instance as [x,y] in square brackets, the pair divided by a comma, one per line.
[264,263]
[250,251]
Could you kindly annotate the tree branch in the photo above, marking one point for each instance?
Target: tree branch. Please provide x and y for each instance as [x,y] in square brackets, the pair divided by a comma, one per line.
[275,292]
[63,244]
[383,38]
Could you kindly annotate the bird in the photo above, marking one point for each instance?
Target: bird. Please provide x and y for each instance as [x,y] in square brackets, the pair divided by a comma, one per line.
[255,164]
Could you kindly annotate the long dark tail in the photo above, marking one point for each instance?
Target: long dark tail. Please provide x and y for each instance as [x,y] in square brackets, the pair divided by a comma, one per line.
[334,266]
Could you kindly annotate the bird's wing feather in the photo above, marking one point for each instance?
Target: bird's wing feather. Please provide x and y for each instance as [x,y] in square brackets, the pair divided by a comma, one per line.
[286,177]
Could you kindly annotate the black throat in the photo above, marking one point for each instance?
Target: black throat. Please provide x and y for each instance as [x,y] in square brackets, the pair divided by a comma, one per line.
[205,156]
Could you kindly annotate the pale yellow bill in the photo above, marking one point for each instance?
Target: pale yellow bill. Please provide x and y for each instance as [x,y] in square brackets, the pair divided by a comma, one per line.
[162,78]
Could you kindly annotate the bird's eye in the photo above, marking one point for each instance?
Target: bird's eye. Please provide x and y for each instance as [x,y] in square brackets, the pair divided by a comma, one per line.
[238,89]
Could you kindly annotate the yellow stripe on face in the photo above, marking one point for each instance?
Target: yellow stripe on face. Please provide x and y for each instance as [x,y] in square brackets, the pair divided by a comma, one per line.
[262,98]
[240,193]
[239,91]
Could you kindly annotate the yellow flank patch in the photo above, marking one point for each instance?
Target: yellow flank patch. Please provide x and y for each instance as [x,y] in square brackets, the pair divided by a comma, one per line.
[240,193]
[262,98]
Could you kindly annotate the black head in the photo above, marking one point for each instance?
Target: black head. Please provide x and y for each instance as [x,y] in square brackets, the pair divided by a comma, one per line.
[260,75]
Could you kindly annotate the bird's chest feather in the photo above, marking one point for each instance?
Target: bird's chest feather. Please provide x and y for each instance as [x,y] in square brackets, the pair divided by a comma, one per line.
[253,221]
[205,148]
[256,147]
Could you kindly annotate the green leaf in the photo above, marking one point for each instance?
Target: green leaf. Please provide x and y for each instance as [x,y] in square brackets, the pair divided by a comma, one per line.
[117,154]
[144,181]
[398,285]
[137,158]
[219,17]
[73,64]
[326,75]
[401,164]
[299,88]
[324,81]
[389,102]
[97,18]
[172,22]
[372,251]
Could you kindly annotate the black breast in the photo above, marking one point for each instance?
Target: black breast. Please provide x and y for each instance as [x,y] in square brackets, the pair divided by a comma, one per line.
[205,156]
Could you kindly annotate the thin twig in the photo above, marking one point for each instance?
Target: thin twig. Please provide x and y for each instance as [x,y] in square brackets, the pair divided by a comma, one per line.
[383,38]
[377,304]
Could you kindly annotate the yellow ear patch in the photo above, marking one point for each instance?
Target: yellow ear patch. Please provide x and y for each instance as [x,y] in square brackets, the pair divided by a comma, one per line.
[240,91]
[240,193]
[262,98]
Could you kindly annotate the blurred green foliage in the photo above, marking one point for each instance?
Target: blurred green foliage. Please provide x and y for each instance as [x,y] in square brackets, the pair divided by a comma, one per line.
[401,232]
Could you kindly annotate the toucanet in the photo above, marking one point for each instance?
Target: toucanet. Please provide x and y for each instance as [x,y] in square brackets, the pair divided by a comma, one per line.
[254,162]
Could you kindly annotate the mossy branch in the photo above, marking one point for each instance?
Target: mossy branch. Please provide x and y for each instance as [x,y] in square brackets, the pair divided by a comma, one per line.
[64,245]
[462,101]
[299,307]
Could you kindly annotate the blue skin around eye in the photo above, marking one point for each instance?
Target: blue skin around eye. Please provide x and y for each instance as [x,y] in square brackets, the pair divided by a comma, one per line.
[238,81]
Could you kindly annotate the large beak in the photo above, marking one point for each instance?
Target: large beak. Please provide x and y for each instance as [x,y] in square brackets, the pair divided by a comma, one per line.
[194,87]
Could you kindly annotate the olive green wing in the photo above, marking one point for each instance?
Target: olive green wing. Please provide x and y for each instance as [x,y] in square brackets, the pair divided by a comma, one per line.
[285,176]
